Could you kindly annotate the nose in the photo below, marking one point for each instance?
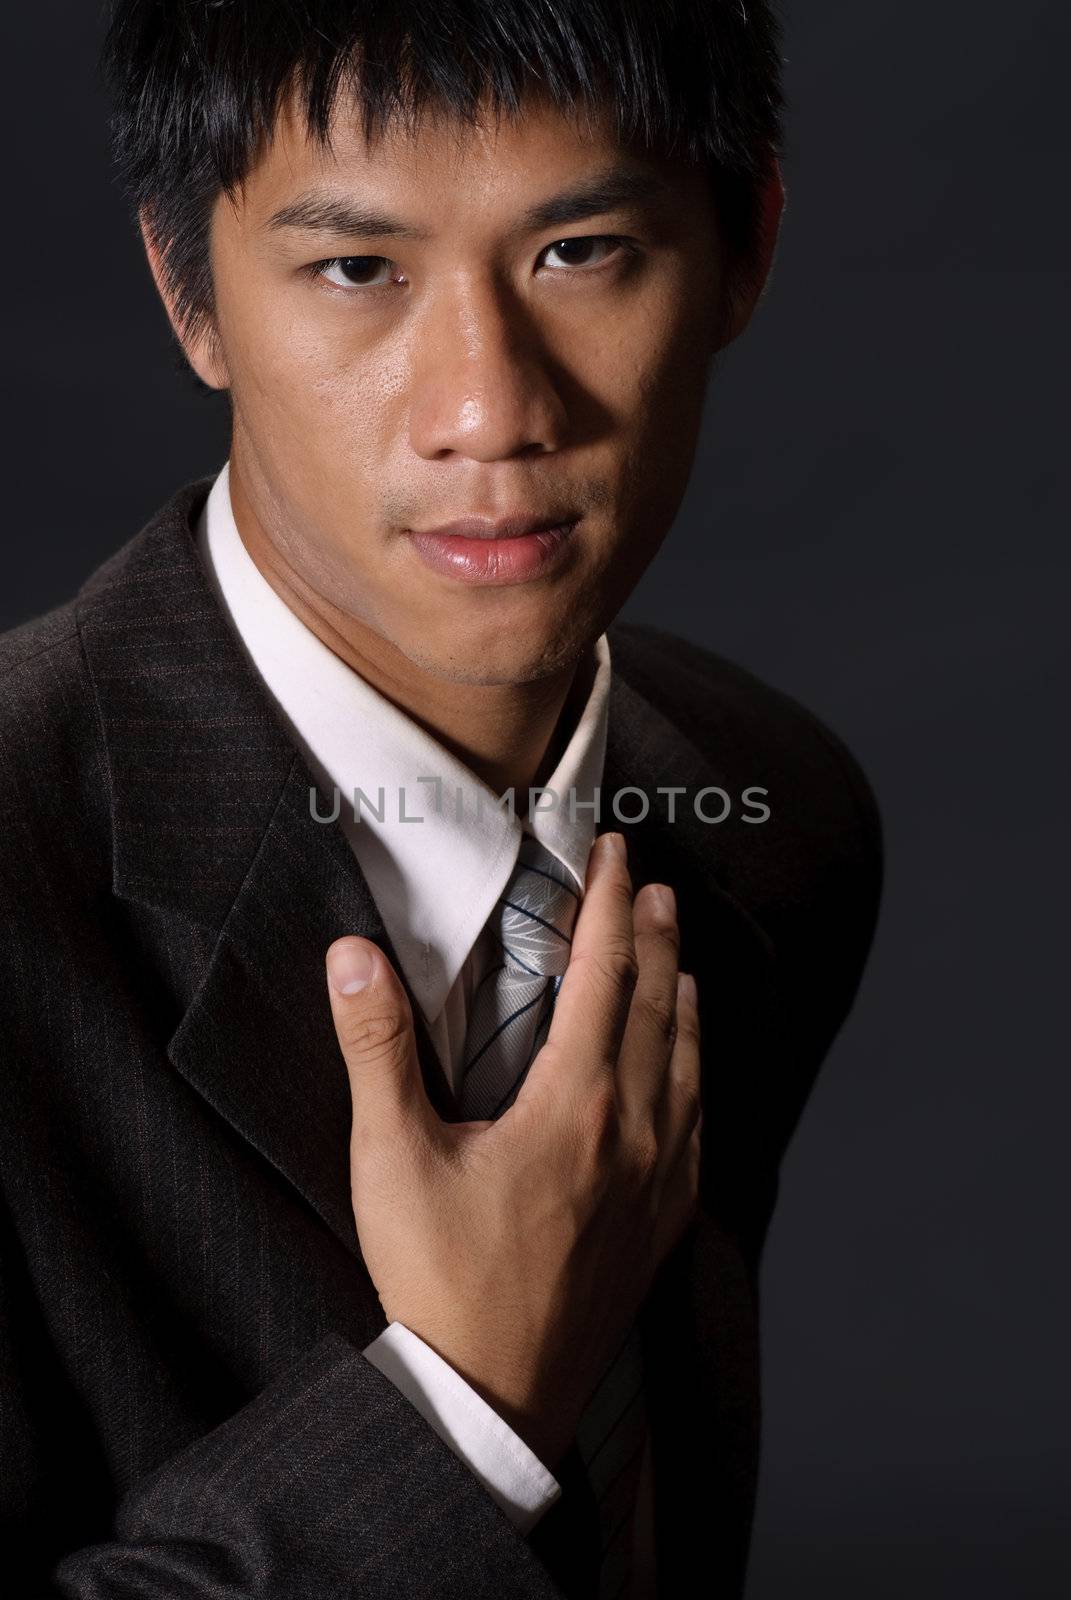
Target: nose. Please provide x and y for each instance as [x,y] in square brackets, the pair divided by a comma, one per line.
[482,383]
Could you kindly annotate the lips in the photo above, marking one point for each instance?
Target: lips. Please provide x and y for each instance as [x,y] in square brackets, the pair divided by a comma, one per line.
[506,551]
[508,527]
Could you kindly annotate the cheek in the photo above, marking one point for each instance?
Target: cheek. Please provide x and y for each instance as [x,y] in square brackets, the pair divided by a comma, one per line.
[647,364]
[331,397]
[662,409]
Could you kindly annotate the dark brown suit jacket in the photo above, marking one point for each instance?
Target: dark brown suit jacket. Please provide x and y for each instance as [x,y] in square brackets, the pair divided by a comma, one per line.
[183,1303]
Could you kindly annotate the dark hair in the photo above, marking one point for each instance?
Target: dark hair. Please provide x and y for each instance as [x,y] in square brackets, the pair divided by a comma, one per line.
[197,85]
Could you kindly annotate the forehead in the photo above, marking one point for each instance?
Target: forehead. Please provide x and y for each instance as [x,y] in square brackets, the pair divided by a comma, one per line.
[440,162]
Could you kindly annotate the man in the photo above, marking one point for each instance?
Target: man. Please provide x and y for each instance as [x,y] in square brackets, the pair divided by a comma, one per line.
[385,1177]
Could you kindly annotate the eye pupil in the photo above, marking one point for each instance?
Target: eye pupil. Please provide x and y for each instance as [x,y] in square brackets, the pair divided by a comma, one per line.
[352,266]
[565,245]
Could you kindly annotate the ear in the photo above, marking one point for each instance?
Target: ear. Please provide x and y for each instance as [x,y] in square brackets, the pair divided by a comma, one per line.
[752,281]
[201,348]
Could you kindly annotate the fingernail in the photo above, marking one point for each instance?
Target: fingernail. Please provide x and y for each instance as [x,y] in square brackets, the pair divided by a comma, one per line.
[349,966]
[612,845]
[688,989]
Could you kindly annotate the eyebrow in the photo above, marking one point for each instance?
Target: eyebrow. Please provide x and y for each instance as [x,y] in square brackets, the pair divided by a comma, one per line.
[613,189]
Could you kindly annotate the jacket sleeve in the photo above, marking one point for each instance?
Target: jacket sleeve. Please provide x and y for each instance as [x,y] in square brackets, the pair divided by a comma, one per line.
[328,1483]
[509,1470]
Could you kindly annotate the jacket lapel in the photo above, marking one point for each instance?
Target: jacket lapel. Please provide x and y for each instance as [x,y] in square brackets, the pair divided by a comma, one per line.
[258,1039]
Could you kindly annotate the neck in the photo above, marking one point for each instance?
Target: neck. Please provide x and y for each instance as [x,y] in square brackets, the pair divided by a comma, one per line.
[511,735]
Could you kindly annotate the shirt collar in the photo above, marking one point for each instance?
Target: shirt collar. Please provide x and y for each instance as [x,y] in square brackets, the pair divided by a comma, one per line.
[437,879]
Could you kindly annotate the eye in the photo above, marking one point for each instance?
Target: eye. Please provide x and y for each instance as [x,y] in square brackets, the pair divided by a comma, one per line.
[583,244]
[352,272]
[366,272]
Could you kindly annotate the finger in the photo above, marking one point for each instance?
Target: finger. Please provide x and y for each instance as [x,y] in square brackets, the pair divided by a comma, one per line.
[652,1020]
[680,1107]
[374,1024]
[591,1009]
[679,1200]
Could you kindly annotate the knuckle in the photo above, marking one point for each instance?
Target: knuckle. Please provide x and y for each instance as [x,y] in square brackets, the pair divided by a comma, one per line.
[618,963]
[645,1154]
[693,1109]
[688,1026]
[375,1035]
[688,1101]
[658,1012]
[613,965]
[554,1064]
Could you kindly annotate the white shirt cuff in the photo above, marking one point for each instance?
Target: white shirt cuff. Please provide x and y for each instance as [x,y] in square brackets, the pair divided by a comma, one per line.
[512,1474]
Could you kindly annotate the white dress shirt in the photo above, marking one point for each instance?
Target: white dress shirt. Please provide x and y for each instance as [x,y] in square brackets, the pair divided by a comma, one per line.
[435,882]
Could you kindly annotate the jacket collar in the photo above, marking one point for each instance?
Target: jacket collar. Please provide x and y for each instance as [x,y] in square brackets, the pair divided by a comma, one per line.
[212,825]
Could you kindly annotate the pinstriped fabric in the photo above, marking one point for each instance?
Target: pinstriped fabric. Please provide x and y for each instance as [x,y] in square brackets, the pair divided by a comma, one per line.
[610,1438]
[509,1020]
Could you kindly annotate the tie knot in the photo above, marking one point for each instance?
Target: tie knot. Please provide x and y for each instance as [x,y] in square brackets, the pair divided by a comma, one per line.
[537,910]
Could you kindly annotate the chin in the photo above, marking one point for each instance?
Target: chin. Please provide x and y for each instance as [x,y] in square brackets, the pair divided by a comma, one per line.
[487,660]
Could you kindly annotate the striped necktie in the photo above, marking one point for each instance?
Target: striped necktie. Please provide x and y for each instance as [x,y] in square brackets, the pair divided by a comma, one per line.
[508,1023]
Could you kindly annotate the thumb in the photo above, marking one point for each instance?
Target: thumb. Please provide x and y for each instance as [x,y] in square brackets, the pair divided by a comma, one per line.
[374,1024]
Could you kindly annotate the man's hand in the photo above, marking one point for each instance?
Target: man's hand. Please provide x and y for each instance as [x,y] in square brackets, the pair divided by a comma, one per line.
[521,1249]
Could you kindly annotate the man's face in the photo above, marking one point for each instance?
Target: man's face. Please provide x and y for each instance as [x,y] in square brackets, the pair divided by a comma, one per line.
[470,362]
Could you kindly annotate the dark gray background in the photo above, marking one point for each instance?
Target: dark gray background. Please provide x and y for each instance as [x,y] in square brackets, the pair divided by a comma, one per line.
[872,525]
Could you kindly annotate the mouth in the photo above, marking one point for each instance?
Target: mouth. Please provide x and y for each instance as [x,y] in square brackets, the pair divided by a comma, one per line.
[478,550]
